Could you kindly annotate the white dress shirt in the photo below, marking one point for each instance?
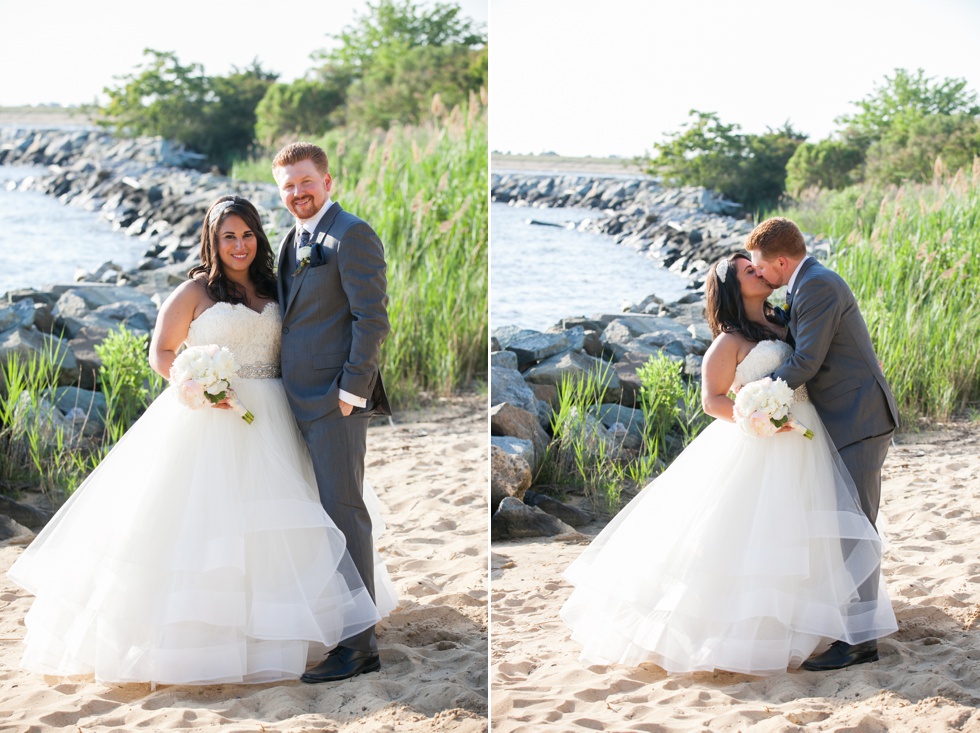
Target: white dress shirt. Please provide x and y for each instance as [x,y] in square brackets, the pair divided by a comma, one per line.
[792,280]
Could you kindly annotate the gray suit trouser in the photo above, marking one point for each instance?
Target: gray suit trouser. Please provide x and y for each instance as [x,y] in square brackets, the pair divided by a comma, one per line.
[863,461]
[338,445]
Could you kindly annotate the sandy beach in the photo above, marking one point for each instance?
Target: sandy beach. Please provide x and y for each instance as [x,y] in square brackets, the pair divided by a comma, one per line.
[928,678]
[430,472]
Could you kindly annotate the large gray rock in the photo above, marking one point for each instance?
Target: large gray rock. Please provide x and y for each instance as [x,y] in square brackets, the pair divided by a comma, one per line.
[652,332]
[14,533]
[17,315]
[503,359]
[616,417]
[508,385]
[505,334]
[570,515]
[510,475]
[39,417]
[514,446]
[514,519]
[573,365]
[98,294]
[90,404]
[30,516]
[587,431]
[29,344]
[83,350]
[534,347]
[509,420]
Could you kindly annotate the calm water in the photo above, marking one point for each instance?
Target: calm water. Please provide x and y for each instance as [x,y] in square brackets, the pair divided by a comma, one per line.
[42,241]
[541,274]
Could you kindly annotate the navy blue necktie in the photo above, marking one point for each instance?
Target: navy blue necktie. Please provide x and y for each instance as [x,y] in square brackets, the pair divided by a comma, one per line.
[304,239]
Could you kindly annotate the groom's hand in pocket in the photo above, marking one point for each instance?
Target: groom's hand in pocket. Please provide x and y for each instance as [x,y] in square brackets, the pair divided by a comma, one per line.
[346,408]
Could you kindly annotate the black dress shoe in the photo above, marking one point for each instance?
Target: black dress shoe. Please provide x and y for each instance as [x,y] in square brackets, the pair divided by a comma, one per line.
[841,654]
[341,664]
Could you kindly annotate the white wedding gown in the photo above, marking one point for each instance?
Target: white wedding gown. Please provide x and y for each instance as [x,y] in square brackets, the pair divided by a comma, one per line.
[198,551]
[732,558]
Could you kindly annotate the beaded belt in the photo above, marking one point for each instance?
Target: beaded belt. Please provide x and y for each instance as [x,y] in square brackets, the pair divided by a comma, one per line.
[259,371]
[801,394]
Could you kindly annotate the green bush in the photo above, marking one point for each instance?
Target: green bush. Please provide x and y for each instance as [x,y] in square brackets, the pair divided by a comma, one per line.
[126,378]
[305,107]
[750,169]
[913,152]
[212,115]
[828,164]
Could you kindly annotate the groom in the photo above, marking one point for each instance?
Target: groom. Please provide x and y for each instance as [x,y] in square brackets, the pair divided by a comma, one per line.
[834,358]
[334,310]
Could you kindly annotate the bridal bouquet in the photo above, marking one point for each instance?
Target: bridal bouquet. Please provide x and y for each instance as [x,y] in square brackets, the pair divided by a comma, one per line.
[762,408]
[202,376]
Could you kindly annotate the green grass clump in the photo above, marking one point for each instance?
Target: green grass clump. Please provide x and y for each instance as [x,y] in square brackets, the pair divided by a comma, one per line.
[424,190]
[38,447]
[584,456]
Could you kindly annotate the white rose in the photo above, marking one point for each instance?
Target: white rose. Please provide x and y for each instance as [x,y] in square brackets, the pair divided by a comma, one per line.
[303,253]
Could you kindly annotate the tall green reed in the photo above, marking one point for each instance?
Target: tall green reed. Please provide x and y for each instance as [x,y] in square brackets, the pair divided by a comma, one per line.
[915,271]
[424,190]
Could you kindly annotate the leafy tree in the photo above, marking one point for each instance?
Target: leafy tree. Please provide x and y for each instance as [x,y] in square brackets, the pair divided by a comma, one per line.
[163,97]
[213,115]
[911,153]
[831,164]
[750,169]
[398,55]
[403,89]
[400,24]
[231,113]
[903,99]
[305,106]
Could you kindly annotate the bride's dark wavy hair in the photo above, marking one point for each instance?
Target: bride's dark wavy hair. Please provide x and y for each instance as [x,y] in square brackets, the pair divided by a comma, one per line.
[725,309]
[219,287]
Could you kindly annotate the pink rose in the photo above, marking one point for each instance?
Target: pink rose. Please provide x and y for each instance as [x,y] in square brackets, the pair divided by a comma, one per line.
[760,424]
[192,394]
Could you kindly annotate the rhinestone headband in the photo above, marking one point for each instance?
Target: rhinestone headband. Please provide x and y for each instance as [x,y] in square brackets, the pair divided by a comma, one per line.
[722,270]
[217,210]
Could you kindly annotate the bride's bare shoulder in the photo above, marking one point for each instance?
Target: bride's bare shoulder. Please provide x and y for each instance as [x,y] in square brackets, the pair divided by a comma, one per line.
[190,295]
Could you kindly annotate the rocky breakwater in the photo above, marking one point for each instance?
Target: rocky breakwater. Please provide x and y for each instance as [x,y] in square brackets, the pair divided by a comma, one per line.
[683,229]
[527,368]
[153,190]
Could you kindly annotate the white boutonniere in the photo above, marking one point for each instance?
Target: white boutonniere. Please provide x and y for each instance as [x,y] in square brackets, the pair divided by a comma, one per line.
[303,255]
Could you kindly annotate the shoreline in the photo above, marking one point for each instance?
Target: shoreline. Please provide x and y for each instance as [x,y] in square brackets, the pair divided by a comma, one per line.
[500,163]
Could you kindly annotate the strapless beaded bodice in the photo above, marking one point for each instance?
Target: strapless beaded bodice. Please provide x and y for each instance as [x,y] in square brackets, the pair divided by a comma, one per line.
[254,338]
[763,360]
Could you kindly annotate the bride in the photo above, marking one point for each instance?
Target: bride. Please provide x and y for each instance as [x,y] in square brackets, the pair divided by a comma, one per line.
[747,553]
[198,551]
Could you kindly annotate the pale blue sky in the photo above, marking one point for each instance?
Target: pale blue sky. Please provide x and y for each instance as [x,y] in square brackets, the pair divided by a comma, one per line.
[610,77]
[66,51]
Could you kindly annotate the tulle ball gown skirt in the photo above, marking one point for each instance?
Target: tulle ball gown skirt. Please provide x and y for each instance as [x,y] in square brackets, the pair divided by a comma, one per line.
[197,552]
[745,555]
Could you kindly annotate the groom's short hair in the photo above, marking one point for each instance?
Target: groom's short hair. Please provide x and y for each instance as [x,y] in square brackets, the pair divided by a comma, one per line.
[296,152]
[777,237]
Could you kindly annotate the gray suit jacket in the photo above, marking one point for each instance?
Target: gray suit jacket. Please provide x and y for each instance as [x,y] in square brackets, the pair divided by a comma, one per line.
[835,359]
[334,318]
